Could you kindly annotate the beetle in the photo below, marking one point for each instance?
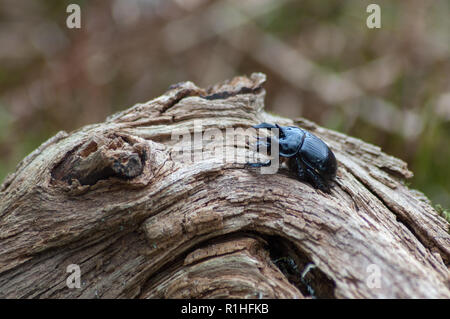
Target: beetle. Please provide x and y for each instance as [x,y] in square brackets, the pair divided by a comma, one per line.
[307,155]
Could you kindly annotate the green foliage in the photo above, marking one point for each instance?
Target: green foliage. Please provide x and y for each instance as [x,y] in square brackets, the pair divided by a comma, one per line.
[445,213]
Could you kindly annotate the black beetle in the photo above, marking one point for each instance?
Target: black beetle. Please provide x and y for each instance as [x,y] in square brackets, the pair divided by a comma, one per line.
[308,156]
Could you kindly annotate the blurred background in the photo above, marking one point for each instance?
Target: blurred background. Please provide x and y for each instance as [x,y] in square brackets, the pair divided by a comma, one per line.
[387,86]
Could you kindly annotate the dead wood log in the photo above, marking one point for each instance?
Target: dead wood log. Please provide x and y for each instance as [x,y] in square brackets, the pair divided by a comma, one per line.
[142,221]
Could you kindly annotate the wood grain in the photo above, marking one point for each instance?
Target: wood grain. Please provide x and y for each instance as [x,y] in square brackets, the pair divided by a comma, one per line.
[144,221]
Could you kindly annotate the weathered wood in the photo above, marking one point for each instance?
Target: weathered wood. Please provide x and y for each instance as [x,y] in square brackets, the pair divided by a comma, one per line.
[119,200]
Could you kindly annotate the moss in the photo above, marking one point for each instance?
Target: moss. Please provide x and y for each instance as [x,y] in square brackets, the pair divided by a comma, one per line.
[445,213]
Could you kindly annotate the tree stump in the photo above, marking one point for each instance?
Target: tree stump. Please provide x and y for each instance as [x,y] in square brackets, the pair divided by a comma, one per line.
[122,202]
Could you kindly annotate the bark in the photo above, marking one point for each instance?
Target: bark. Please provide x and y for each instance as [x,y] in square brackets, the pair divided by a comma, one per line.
[120,200]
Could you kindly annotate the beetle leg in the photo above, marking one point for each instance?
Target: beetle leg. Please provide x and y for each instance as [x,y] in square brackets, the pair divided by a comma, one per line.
[316,180]
[268,163]
[266,144]
[267,138]
[296,166]
[300,168]
[264,125]
[261,143]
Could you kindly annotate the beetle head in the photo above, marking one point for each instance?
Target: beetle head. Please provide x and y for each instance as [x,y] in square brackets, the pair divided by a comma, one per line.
[286,131]
[290,140]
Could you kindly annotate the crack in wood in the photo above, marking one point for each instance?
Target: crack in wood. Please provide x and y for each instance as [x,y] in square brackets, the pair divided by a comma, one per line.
[296,267]
[100,158]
